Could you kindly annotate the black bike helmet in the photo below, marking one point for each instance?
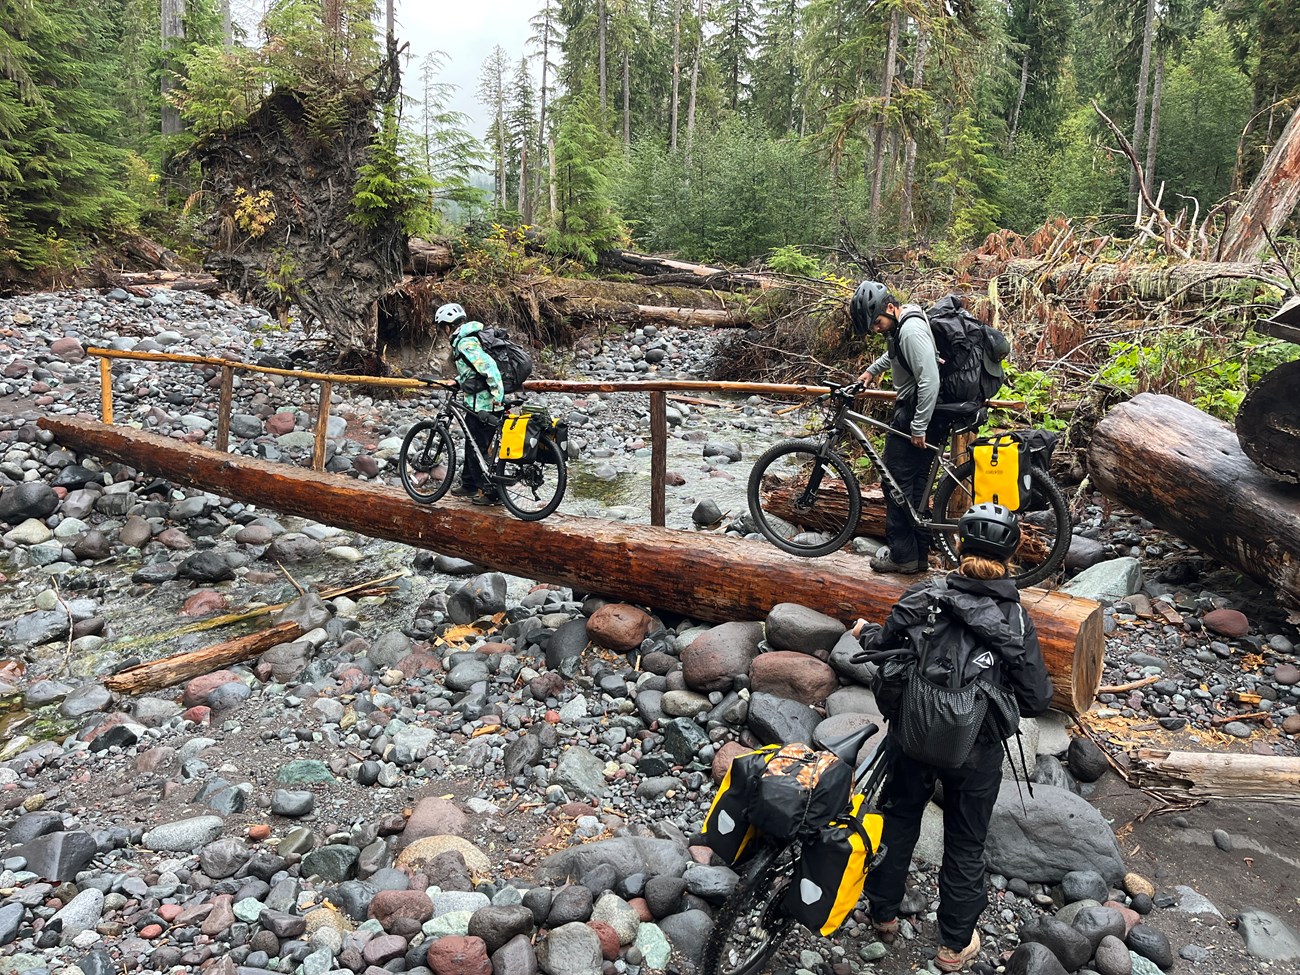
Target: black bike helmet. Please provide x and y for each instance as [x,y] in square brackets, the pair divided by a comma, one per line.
[868,304]
[989,529]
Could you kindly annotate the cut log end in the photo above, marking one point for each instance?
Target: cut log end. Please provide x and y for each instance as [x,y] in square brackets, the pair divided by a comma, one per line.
[1268,423]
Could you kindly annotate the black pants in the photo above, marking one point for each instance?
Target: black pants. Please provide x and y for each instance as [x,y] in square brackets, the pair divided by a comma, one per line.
[968,796]
[472,475]
[910,467]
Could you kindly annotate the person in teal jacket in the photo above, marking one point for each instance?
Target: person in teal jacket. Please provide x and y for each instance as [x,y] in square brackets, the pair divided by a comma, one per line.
[483,394]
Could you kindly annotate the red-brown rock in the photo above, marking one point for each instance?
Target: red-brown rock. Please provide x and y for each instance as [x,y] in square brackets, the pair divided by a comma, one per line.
[608,939]
[280,424]
[434,817]
[1227,622]
[458,955]
[723,756]
[389,905]
[793,675]
[642,909]
[199,689]
[619,627]
[205,602]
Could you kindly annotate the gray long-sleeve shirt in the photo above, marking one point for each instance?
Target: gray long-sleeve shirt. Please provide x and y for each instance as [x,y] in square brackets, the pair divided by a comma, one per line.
[915,341]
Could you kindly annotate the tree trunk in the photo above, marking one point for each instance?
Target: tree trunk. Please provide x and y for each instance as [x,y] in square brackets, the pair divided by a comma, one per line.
[695,77]
[1268,422]
[600,31]
[1139,112]
[831,499]
[430,256]
[227,25]
[1020,98]
[1153,126]
[707,576]
[1270,202]
[550,152]
[627,102]
[1185,471]
[541,120]
[1216,775]
[905,218]
[682,271]
[677,74]
[173,37]
[886,93]
[178,668]
[525,209]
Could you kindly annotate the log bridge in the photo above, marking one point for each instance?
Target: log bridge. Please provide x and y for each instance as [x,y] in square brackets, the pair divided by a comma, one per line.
[708,576]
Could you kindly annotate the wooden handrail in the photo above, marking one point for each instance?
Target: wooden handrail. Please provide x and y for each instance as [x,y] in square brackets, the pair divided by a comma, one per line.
[657,388]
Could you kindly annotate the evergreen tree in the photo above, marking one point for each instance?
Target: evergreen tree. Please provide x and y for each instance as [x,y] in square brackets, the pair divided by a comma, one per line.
[492,94]
[451,157]
[586,222]
[732,46]
[778,73]
[59,170]
[521,129]
[970,177]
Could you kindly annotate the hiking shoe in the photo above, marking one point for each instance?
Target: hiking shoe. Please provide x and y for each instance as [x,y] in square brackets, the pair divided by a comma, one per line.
[954,960]
[886,563]
[886,931]
[485,498]
[461,490]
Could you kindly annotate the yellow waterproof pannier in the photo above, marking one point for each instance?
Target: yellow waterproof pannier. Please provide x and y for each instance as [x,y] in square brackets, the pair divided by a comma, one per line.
[727,829]
[832,869]
[517,441]
[1001,471]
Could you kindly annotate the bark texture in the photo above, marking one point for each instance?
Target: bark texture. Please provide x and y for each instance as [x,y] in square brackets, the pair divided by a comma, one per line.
[1270,202]
[1216,775]
[704,575]
[1185,471]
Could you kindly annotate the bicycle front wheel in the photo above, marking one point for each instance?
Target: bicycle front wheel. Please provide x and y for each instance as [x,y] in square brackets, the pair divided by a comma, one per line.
[751,924]
[1044,532]
[427,461]
[804,503]
[533,490]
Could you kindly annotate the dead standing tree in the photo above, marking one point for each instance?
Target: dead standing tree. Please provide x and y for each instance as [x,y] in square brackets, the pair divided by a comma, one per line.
[286,230]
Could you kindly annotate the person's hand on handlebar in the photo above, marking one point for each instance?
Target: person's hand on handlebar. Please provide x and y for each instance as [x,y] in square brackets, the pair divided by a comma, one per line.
[868,379]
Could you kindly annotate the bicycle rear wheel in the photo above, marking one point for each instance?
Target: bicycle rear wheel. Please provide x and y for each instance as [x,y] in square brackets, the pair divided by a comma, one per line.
[803,503]
[427,461]
[1044,533]
[533,490]
[751,924]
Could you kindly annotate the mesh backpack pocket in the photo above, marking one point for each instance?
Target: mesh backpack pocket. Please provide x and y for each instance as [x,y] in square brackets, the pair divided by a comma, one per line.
[938,725]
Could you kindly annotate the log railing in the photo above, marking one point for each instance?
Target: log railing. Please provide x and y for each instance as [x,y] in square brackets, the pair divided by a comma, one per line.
[658,389]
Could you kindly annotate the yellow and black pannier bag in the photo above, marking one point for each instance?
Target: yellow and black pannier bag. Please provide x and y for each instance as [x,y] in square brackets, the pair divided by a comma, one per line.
[518,438]
[801,789]
[727,828]
[832,869]
[1001,471]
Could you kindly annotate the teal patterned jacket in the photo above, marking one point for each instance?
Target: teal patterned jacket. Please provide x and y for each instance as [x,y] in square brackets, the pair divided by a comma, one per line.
[471,363]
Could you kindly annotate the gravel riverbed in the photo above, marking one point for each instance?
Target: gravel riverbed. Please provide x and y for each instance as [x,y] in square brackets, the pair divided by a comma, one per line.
[469,772]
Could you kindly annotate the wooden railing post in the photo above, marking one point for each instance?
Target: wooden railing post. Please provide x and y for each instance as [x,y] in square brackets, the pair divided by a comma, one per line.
[658,456]
[106,389]
[223,408]
[322,425]
[959,453]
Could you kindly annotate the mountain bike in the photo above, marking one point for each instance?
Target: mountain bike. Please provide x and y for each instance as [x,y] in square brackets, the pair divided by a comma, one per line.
[806,500]
[530,484]
[751,924]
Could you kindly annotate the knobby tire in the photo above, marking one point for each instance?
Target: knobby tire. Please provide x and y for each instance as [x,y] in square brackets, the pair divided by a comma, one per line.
[427,450]
[830,513]
[756,898]
[518,497]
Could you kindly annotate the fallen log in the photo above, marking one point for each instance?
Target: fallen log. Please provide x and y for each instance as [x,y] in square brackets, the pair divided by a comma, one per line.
[178,668]
[704,575]
[172,280]
[430,256]
[152,253]
[682,272]
[1268,423]
[1185,471]
[832,508]
[1217,775]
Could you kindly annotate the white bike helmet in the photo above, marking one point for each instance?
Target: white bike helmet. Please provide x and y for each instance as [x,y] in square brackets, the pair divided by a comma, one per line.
[451,314]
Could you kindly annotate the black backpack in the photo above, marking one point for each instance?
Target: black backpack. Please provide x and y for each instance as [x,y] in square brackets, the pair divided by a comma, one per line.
[939,695]
[970,353]
[512,359]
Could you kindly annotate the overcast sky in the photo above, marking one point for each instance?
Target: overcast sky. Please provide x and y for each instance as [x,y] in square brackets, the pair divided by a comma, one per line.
[466,30]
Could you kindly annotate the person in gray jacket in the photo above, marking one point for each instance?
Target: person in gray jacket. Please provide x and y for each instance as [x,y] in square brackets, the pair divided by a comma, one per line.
[913,361]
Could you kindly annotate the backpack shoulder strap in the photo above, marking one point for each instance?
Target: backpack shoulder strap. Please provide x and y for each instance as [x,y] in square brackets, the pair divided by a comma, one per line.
[897,344]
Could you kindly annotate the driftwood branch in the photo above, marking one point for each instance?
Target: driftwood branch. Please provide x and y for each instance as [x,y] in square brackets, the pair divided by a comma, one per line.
[1216,775]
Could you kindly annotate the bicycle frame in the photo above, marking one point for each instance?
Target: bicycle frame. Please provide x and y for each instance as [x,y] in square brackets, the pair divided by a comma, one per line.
[846,422]
[453,410]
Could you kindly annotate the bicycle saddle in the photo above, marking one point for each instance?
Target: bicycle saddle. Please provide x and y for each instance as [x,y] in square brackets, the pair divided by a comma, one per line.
[846,746]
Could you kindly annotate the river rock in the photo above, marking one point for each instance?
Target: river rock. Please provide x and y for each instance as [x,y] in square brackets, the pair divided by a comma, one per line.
[570,949]
[207,566]
[1108,581]
[580,773]
[1095,923]
[515,957]
[792,675]
[1227,622]
[1070,947]
[1268,937]
[1152,944]
[57,856]
[335,862]
[219,690]
[420,854]
[1052,833]
[619,627]
[1078,885]
[30,499]
[497,926]
[1112,958]
[1033,958]
[716,657]
[627,854]
[458,955]
[81,913]
[183,835]
[775,719]
[803,630]
[688,932]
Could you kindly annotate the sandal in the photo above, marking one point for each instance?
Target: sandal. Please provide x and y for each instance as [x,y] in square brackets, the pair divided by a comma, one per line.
[886,931]
[954,960]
